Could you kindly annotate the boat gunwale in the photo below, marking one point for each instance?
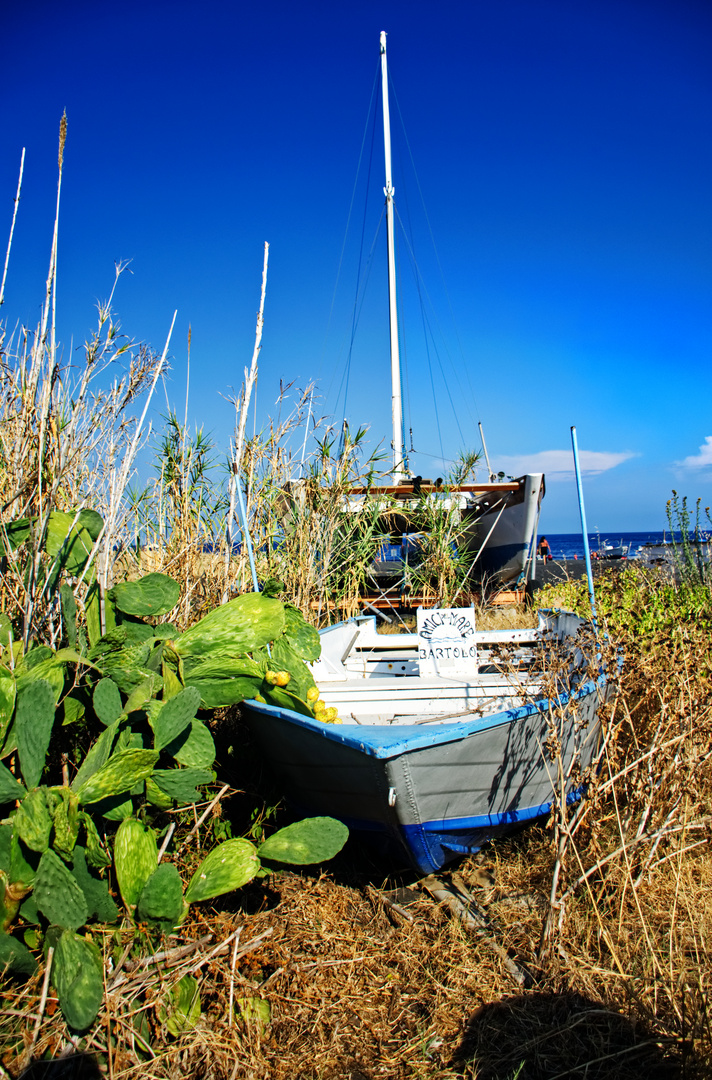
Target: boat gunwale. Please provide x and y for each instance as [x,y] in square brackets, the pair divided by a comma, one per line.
[367,738]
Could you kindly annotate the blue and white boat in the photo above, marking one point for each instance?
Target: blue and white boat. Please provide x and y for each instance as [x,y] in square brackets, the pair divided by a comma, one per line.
[440,747]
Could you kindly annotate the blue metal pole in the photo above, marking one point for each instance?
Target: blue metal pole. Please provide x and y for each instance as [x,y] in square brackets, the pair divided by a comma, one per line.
[246,533]
[584,528]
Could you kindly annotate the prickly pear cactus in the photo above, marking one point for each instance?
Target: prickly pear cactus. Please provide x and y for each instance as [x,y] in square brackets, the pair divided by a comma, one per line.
[179,784]
[227,867]
[151,595]
[194,747]
[122,771]
[10,788]
[313,840]
[33,821]
[107,701]
[57,894]
[244,624]
[65,817]
[7,688]
[77,974]
[34,717]
[175,716]
[162,895]
[135,859]
[301,635]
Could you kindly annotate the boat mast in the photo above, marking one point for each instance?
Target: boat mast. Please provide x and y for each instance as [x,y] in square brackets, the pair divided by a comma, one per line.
[396,400]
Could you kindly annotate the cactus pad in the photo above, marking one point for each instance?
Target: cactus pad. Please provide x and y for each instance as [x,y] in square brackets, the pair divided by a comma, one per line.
[57,894]
[34,717]
[107,701]
[33,820]
[180,784]
[194,747]
[174,717]
[122,771]
[301,635]
[135,858]
[227,867]
[78,977]
[153,594]
[313,840]
[232,629]
[162,895]
[10,788]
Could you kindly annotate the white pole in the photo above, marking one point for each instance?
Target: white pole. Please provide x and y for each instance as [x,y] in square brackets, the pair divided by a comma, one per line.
[396,402]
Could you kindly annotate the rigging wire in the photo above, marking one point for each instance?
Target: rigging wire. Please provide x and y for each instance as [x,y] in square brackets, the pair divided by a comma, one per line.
[354,313]
[348,217]
[470,389]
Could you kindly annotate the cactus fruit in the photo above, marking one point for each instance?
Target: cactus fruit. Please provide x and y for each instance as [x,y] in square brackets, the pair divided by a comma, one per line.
[121,772]
[135,858]
[107,701]
[78,977]
[34,717]
[313,840]
[174,717]
[243,624]
[162,895]
[278,678]
[312,695]
[57,894]
[227,867]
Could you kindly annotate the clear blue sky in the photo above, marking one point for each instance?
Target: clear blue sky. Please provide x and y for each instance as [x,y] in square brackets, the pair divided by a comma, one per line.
[564,152]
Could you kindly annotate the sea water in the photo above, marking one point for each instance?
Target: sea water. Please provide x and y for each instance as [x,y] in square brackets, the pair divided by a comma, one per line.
[570,545]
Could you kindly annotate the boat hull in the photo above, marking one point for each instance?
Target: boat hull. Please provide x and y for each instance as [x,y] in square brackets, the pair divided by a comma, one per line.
[502,537]
[431,791]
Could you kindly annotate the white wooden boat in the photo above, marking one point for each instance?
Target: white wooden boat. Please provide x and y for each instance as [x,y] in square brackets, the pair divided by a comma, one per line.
[433,760]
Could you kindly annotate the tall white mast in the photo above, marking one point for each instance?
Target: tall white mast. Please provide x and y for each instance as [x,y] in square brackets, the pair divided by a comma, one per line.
[396,402]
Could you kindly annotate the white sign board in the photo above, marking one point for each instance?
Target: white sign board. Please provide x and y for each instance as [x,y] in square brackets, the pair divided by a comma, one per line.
[446,641]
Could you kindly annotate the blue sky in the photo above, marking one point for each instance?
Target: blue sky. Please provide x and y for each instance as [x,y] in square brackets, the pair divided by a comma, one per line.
[564,154]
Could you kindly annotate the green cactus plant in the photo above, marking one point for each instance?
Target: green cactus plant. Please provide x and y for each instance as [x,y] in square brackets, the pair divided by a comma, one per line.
[228,866]
[301,635]
[33,820]
[135,859]
[121,773]
[194,747]
[174,717]
[34,718]
[162,896]
[246,623]
[180,784]
[58,895]
[10,788]
[312,840]
[151,595]
[106,700]
[78,978]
